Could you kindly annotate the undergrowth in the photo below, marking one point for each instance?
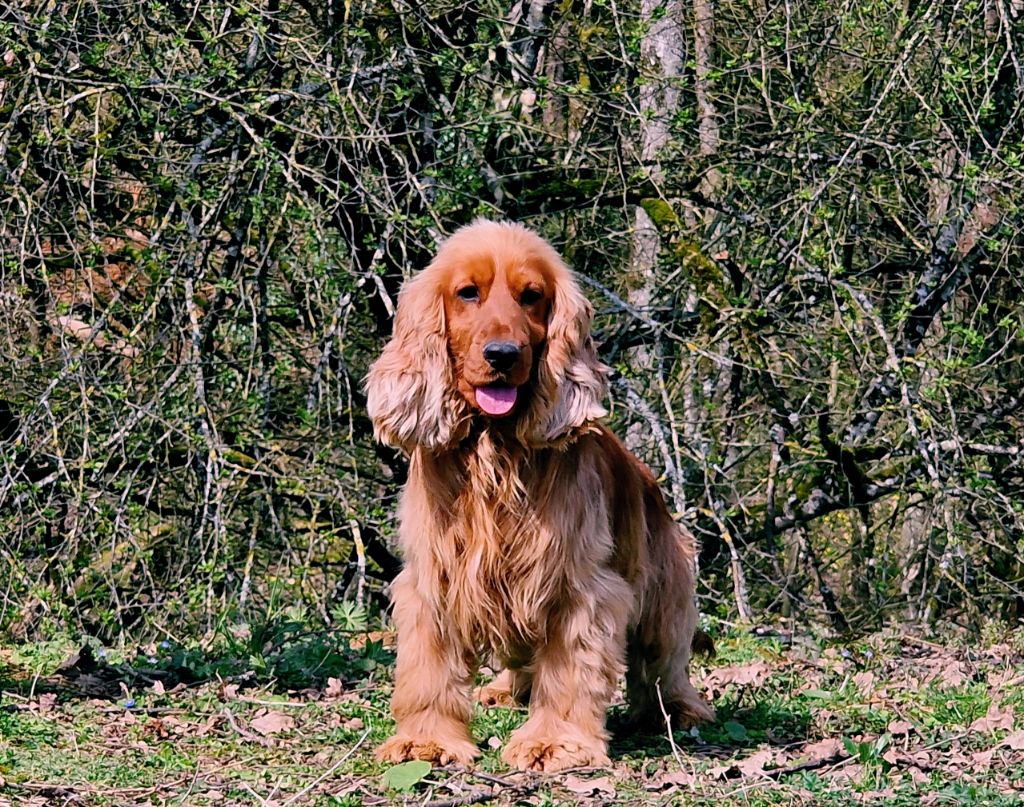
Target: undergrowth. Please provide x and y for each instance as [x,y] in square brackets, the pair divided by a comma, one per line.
[282,712]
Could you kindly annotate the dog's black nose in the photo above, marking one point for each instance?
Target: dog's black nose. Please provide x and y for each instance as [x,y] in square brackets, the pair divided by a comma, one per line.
[501,355]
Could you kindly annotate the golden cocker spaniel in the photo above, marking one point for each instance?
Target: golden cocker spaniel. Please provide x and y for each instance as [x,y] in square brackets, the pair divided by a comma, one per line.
[529,532]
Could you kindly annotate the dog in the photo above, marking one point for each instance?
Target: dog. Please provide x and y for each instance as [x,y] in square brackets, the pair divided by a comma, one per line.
[529,533]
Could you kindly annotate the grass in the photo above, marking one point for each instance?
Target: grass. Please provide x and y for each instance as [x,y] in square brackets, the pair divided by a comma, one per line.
[294,721]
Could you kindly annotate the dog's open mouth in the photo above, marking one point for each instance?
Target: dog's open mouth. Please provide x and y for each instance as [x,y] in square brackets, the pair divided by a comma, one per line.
[496,399]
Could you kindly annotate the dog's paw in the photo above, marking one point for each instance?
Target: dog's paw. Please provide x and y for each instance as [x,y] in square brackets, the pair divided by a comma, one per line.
[691,713]
[440,751]
[509,688]
[494,694]
[550,754]
[688,708]
[650,719]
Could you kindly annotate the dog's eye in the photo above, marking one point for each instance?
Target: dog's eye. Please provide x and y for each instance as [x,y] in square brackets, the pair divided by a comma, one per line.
[469,293]
[530,296]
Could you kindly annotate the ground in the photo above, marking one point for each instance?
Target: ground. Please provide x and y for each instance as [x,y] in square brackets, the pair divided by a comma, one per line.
[888,719]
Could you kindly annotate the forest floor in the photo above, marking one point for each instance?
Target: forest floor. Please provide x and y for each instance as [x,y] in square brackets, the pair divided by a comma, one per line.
[888,720]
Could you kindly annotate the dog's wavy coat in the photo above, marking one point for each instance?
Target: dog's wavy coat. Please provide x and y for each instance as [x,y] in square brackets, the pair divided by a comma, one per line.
[529,533]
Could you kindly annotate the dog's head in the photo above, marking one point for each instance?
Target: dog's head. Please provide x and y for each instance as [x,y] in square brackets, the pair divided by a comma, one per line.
[495,329]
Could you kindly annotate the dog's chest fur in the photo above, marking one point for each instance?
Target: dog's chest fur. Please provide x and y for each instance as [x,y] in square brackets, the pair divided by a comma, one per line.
[502,568]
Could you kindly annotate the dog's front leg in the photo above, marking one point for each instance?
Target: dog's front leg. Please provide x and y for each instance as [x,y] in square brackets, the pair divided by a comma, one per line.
[575,674]
[431,701]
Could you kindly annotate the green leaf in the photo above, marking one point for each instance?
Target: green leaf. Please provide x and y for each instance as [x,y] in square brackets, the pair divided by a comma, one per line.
[736,731]
[817,694]
[406,775]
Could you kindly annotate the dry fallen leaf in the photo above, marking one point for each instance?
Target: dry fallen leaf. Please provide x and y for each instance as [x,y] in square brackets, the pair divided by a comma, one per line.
[47,702]
[918,777]
[995,718]
[173,723]
[899,728]
[158,728]
[720,771]
[272,723]
[822,750]
[848,774]
[387,639]
[954,760]
[675,779]
[921,758]
[983,759]
[864,681]
[206,727]
[334,688]
[587,787]
[140,241]
[1014,741]
[756,672]
[947,673]
[755,763]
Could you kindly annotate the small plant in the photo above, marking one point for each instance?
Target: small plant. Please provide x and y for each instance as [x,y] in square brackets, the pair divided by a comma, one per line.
[349,616]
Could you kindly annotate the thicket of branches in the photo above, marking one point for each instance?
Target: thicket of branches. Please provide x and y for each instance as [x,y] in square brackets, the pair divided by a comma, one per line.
[800,223]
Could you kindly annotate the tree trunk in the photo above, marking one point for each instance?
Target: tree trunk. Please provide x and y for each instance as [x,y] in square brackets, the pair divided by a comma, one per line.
[707,127]
[661,54]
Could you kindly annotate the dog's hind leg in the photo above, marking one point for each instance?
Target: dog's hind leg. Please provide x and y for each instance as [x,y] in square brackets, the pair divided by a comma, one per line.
[661,645]
[658,685]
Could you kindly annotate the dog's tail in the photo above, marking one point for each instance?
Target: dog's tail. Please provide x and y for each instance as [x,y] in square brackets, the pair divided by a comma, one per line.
[702,644]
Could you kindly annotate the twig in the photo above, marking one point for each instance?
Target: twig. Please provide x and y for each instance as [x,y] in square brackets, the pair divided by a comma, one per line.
[473,798]
[644,409]
[668,725]
[191,786]
[811,765]
[499,780]
[242,732]
[258,702]
[739,580]
[360,550]
[481,796]
[329,771]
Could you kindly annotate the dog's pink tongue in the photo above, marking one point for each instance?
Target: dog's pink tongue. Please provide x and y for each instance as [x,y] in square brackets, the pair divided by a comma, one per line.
[496,400]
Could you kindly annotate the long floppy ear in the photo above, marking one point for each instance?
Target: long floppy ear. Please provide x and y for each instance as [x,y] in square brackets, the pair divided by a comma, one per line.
[571,383]
[411,394]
